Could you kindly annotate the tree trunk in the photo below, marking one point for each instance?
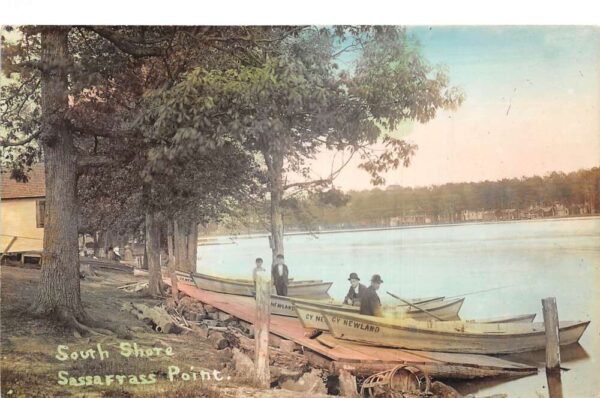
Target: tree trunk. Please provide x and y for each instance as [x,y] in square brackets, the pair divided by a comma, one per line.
[172,259]
[102,244]
[192,246]
[181,247]
[275,169]
[155,285]
[145,262]
[59,291]
[96,246]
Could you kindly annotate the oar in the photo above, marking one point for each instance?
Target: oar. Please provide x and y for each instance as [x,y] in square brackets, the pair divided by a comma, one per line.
[417,307]
[480,291]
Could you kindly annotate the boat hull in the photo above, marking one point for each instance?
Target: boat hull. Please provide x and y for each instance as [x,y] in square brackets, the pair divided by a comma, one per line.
[281,305]
[452,336]
[311,318]
[445,310]
[312,289]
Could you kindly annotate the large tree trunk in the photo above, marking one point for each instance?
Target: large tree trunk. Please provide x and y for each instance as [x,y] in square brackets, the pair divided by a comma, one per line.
[192,246]
[59,292]
[275,170]
[155,285]
[180,234]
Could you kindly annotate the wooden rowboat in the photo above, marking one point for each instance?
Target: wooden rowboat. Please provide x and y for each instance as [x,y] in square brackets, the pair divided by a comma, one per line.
[309,311]
[446,310]
[281,305]
[240,287]
[447,336]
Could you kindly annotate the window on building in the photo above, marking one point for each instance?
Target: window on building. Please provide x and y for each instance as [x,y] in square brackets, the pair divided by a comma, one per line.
[41,211]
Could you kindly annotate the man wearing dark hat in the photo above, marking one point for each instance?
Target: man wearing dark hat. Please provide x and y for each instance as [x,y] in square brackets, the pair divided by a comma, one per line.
[356,291]
[279,274]
[370,303]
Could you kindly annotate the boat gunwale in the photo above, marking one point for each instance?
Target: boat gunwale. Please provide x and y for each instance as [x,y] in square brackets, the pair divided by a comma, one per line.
[350,308]
[250,284]
[505,319]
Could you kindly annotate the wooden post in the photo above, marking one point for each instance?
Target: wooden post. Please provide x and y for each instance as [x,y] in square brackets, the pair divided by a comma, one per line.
[6,250]
[552,342]
[552,347]
[261,328]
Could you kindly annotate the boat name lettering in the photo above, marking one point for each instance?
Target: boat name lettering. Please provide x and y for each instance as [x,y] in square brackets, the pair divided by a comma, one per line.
[362,326]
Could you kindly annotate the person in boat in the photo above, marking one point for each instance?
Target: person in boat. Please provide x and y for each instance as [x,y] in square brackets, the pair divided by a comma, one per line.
[258,262]
[370,303]
[279,272]
[356,291]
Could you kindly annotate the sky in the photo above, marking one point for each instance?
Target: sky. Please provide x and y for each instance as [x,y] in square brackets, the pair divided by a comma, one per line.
[532,107]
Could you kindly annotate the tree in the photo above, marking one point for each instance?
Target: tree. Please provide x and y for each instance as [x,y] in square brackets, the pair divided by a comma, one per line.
[290,101]
[82,68]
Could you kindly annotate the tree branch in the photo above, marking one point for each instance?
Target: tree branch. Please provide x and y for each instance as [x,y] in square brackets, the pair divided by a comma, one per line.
[321,181]
[84,163]
[26,140]
[125,44]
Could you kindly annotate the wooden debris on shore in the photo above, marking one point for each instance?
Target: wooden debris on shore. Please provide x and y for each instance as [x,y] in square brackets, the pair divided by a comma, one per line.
[134,287]
[157,317]
[277,357]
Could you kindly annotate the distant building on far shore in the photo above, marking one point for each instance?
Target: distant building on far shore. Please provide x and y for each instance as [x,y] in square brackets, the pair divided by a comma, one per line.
[22,208]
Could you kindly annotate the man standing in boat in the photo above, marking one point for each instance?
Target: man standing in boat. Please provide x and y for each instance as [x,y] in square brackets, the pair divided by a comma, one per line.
[356,291]
[279,273]
[370,303]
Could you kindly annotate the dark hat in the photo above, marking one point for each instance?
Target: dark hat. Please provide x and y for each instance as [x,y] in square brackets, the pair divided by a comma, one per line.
[353,276]
[376,278]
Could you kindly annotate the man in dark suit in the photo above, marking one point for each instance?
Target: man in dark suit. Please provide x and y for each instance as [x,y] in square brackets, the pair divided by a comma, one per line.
[279,273]
[356,291]
[370,303]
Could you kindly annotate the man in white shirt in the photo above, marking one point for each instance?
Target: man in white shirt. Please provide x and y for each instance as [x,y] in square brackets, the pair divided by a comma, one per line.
[356,290]
[258,262]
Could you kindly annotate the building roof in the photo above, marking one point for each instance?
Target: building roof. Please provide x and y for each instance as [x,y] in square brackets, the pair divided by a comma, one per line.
[35,187]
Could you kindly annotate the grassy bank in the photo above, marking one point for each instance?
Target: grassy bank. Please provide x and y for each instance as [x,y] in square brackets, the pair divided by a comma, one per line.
[31,349]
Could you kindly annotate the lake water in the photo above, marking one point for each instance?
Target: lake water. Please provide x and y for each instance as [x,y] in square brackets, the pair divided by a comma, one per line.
[529,260]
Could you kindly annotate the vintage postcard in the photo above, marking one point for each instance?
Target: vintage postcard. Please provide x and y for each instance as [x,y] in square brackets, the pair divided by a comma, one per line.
[282,210]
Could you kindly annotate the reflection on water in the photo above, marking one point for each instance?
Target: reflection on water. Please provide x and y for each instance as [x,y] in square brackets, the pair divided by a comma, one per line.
[555,389]
[527,260]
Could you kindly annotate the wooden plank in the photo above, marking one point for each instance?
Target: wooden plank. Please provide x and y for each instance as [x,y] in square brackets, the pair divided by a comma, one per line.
[261,328]
[386,355]
[106,264]
[7,248]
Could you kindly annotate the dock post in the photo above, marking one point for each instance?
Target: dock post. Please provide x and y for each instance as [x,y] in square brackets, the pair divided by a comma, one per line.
[261,327]
[552,347]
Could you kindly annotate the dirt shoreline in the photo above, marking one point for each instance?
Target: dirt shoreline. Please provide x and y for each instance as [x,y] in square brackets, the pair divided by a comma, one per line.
[212,358]
[30,346]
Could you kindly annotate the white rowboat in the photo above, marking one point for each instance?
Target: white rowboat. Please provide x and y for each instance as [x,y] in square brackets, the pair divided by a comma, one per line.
[242,287]
[447,336]
[309,311]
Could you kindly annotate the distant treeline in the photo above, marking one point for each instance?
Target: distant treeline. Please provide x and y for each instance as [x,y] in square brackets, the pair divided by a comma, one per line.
[556,194]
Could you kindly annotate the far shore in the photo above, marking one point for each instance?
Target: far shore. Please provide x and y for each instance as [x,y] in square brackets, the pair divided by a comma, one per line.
[209,240]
